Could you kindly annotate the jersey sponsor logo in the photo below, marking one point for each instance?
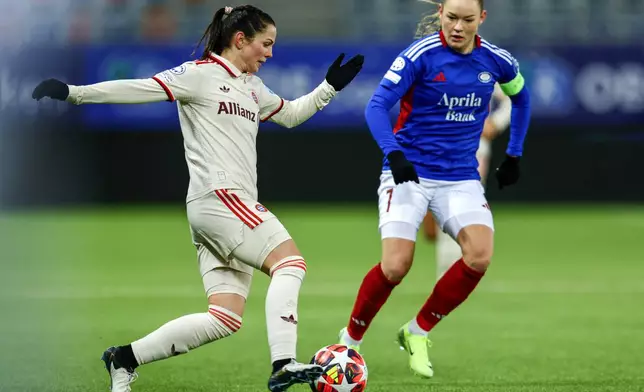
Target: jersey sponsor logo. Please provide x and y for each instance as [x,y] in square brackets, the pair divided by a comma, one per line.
[398,64]
[252,94]
[234,109]
[485,77]
[455,103]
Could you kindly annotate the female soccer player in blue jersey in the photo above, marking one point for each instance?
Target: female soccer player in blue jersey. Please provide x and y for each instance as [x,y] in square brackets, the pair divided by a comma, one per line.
[444,83]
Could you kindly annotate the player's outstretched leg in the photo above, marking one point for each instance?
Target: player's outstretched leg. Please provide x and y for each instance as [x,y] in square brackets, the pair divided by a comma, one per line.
[450,291]
[287,274]
[173,338]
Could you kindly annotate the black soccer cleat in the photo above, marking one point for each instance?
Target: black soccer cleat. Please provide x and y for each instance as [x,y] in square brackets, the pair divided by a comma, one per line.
[120,377]
[293,373]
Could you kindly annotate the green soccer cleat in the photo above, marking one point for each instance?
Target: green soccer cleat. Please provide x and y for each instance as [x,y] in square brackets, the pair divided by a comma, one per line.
[417,347]
[343,337]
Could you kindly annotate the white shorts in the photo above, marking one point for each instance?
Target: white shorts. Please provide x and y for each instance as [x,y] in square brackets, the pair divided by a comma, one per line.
[233,234]
[454,204]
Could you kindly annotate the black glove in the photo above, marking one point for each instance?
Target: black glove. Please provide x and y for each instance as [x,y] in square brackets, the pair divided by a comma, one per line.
[51,88]
[339,76]
[508,173]
[401,168]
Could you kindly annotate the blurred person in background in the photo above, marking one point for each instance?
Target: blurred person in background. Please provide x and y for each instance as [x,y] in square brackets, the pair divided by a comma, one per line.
[444,82]
[221,104]
[447,250]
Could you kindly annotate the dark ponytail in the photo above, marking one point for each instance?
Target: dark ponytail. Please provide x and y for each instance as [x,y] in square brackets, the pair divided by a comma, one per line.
[246,18]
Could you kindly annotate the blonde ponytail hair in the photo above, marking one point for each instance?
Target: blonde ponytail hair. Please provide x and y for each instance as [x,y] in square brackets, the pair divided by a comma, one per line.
[430,23]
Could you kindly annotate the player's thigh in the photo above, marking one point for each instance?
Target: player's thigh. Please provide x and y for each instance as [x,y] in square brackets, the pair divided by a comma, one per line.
[401,208]
[460,204]
[429,226]
[266,245]
[226,282]
[236,226]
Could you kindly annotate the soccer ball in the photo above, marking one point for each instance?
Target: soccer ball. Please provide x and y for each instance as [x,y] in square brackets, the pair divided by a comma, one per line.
[344,370]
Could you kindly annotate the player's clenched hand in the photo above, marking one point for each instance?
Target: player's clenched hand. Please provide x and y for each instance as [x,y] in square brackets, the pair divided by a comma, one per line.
[51,88]
[401,169]
[508,173]
[340,75]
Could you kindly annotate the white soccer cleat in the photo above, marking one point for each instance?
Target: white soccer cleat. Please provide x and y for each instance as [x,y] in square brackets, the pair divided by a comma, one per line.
[120,377]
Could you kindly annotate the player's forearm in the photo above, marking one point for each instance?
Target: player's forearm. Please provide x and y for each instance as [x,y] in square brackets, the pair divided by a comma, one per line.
[377,117]
[118,91]
[519,122]
[295,112]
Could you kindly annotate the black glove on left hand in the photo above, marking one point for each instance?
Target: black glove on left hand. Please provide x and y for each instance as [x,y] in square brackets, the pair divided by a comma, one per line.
[508,173]
[52,88]
[339,75]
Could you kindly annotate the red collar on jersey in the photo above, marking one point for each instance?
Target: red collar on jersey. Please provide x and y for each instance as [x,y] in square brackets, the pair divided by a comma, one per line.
[232,70]
[477,39]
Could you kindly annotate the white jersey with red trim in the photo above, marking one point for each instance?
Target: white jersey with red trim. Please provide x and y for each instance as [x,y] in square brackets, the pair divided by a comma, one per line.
[220,109]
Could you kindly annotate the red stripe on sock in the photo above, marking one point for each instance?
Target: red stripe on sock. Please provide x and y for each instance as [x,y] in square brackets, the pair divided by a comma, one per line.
[294,264]
[227,320]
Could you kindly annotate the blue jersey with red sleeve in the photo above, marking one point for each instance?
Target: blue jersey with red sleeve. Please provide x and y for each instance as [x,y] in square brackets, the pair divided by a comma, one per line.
[444,100]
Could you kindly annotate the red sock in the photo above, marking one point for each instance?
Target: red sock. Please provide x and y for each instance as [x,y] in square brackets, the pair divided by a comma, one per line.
[450,291]
[373,293]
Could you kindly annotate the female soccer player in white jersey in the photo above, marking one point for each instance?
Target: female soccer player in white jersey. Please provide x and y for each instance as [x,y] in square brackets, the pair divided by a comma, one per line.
[221,103]
[447,250]
[444,82]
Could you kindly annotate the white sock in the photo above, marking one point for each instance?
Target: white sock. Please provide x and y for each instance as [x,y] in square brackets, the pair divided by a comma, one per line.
[448,252]
[348,340]
[281,306]
[415,329]
[186,333]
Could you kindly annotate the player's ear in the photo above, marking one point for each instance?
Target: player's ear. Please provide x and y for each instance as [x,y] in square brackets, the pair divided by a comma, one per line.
[483,16]
[239,39]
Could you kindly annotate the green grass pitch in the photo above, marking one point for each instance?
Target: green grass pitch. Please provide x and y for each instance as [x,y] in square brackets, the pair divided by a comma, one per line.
[561,309]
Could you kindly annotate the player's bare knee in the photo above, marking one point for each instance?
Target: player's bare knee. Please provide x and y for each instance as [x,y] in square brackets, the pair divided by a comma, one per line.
[291,265]
[478,257]
[283,251]
[397,258]
[225,299]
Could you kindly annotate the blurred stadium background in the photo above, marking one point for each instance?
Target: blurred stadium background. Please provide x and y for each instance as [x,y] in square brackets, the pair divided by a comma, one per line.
[94,244]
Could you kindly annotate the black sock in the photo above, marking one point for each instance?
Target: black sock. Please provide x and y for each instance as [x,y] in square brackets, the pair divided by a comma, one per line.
[125,357]
[277,365]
